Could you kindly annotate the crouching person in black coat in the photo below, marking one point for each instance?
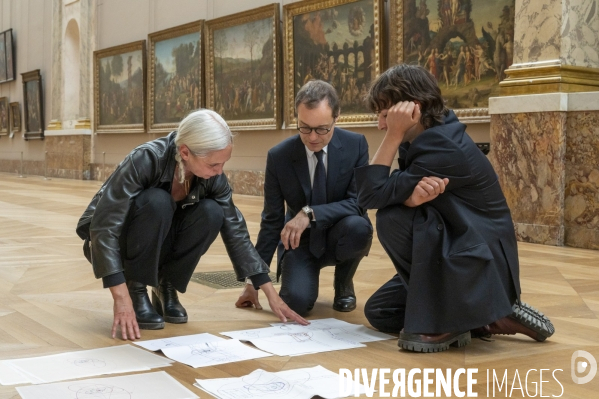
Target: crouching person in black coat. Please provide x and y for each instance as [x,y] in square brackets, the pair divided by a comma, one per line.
[444,222]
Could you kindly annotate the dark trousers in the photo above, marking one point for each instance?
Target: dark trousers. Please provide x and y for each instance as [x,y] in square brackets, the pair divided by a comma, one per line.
[161,240]
[348,241]
[385,310]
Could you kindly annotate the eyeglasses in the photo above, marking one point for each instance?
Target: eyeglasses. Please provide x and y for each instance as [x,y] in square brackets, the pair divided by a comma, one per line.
[321,131]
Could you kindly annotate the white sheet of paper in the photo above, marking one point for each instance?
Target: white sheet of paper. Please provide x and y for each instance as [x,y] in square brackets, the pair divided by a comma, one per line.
[255,333]
[348,331]
[318,324]
[213,353]
[158,385]
[87,363]
[290,384]
[158,344]
[149,359]
[301,343]
[10,375]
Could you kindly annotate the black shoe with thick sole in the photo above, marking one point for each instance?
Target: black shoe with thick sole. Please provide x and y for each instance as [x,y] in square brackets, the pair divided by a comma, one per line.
[432,342]
[166,302]
[533,319]
[345,303]
[147,318]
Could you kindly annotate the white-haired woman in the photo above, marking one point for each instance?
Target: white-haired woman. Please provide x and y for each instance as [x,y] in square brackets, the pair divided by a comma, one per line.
[157,214]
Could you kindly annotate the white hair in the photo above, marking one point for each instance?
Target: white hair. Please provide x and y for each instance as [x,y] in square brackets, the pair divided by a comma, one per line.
[202,131]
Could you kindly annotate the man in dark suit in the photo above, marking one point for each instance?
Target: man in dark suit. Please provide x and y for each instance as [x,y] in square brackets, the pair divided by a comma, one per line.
[444,222]
[312,173]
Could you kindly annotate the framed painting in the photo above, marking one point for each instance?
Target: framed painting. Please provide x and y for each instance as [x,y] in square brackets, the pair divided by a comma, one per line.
[338,41]
[466,44]
[4,116]
[2,57]
[15,117]
[33,105]
[120,89]
[243,81]
[175,75]
[7,59]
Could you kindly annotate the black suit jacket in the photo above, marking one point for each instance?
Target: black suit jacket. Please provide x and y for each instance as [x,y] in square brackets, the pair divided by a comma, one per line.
[465,271]
[287,182]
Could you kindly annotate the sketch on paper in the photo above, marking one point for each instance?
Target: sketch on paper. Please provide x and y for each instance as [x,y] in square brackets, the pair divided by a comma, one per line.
[333,328]
[213,353]
[88,363]
[99,391]
[261,384]
[157,385]
[290,384]
[184,340]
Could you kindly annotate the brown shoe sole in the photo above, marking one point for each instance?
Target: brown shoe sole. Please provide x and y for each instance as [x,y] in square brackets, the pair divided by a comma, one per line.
[410,342]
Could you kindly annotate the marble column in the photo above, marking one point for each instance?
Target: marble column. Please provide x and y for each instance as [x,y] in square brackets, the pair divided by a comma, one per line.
[545,125]
[69,140]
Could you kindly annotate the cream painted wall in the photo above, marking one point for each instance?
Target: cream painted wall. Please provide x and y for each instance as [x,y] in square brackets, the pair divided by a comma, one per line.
[120,22]
[31,21]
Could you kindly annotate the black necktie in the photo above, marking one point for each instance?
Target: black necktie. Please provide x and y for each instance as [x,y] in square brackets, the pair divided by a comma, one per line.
[319,197]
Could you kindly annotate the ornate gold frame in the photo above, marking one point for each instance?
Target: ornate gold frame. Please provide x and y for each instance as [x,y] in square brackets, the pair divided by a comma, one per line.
[166,34]
[15,114]
[396,33]
[308,6]
[33,76]
[109,52]
[4,100]
[268,11]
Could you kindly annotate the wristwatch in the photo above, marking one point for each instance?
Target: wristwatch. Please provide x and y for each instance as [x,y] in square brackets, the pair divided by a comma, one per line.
[309,212]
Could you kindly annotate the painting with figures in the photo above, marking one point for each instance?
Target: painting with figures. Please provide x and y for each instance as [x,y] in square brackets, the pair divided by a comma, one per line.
[466,44]
[119,88]
[338,42]
[244,76]
[175,74]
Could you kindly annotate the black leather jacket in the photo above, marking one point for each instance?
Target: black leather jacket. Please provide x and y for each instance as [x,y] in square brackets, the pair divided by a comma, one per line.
[153,165]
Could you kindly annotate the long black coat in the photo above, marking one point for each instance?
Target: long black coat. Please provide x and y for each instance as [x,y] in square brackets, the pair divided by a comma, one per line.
[465,271]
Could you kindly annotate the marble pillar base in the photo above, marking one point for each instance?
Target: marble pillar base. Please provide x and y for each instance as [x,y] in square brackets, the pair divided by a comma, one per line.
[246,182]
[548,167]
[69,156]
[30,168]
[101,172]
[581,204]
[528,151]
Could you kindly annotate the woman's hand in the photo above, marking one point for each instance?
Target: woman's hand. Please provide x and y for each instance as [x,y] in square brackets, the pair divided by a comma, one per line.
[124,315]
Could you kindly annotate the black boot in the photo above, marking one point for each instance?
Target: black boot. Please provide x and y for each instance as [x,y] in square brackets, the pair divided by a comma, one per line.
[345,298]
[166,302]
[147,318]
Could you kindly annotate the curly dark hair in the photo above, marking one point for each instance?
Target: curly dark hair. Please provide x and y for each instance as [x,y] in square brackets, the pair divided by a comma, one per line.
[405,82]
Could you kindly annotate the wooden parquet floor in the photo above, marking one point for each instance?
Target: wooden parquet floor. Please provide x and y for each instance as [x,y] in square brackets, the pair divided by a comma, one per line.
[50,302]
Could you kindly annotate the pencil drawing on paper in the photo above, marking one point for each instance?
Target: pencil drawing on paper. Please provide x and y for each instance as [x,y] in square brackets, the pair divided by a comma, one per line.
[88,363]
[261,384]
[99,391]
